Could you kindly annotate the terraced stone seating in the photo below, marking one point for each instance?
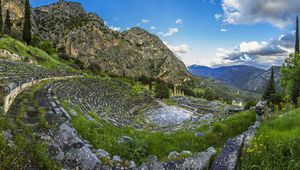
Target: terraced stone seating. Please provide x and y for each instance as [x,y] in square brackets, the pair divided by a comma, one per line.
[200,106]
[114,100]
[20,75]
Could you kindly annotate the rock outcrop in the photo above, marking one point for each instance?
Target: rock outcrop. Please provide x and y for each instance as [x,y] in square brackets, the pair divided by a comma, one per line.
[84,37]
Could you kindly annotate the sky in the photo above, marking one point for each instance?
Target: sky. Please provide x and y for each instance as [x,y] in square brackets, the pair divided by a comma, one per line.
[208,32]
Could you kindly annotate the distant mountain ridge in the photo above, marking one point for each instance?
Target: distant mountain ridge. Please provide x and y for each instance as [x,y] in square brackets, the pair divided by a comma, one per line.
[245,77]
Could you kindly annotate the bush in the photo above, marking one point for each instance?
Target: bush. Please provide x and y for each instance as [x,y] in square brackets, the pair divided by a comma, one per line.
[47,46]
[250,104]
[162,90]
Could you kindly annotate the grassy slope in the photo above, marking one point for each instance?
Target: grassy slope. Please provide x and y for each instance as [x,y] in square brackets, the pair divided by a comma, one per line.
[31,53]
[277,144]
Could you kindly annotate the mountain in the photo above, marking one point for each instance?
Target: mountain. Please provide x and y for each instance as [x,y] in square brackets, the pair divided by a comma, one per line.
[241,76]
[84,37]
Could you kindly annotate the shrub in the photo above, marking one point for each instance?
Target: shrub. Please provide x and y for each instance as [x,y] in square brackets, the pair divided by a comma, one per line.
[47,46]
[250,104]
[162,90]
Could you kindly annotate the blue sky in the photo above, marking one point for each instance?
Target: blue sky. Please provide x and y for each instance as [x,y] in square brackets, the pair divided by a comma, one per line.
[207,32]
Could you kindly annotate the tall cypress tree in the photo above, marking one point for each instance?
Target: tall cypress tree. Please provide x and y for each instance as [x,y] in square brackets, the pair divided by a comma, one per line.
[27,24]
[270,90]
[297,47]
[1,18]
[8,24]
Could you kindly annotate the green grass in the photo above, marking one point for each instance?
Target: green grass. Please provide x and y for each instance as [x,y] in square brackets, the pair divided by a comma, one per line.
[105,136]
[277,144]
[32,53]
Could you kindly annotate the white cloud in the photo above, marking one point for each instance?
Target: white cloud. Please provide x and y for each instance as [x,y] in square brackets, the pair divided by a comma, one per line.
[115,28]
[278,13]
[105,23]
[223,30]
[179,21]
[153,27]
[218,16]
[170,32]
[145,21]
[262,54]
[179,49]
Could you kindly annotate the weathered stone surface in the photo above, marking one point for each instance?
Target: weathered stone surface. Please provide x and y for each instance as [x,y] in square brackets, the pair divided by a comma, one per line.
[185,153]
[173,155]
[125,139]
[100,153]
[64,135]
[199,134]
[7,134]
[230,156]
[132,165]
[200,161]
[56,153]
[261,108]
[81,158]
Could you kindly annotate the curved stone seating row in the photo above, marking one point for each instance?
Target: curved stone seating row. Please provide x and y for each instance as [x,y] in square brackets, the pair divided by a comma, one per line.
[112,99]
[16,76]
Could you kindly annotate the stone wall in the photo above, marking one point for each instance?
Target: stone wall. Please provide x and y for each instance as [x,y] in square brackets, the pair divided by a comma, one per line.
[10,92]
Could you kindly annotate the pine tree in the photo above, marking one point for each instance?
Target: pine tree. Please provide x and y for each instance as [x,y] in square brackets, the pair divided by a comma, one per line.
[8,24]
[1,18]
[27,24]
[270,90]
[297,47]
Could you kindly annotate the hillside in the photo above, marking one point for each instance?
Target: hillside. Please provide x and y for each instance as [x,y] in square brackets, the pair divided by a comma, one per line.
[84,36]
[243,77]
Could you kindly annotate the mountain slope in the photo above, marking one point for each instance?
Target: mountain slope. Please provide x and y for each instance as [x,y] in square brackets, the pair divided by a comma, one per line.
[84,36]
[244,77]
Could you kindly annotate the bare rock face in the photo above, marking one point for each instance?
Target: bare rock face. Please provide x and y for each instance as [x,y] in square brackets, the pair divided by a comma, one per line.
[85,37]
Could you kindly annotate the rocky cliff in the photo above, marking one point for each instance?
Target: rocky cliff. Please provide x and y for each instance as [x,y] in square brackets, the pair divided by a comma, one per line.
[84,37]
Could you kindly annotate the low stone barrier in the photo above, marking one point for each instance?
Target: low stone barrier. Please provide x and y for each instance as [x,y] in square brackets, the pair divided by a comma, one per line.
[229,159]
[9,92]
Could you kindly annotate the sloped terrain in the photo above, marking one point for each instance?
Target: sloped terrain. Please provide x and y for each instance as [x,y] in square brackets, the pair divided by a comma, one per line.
[243,77]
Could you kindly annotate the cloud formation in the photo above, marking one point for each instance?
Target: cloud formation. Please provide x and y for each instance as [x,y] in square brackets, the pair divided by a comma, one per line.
[115,28]
[223,30]
[278,13]
[153,27]
[145,20]
[218,16]
[263,54]
[179,21]
[179,49]
[170,32]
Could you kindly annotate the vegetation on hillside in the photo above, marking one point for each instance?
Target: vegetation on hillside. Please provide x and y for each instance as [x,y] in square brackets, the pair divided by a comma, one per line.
[105,136]
[276,145]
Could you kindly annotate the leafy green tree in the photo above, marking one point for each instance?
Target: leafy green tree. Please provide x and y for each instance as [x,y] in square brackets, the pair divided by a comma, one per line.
[27,24]
[1,18]
[162,90]
[290,71]
[290,77]
[270,90]
[297,47]
[8,24]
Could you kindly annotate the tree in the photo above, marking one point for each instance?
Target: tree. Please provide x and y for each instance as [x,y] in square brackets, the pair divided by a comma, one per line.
[8,24]
[297,47]
[27,23]
[162,90]
[270,90]
[290,71]
[1,18]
